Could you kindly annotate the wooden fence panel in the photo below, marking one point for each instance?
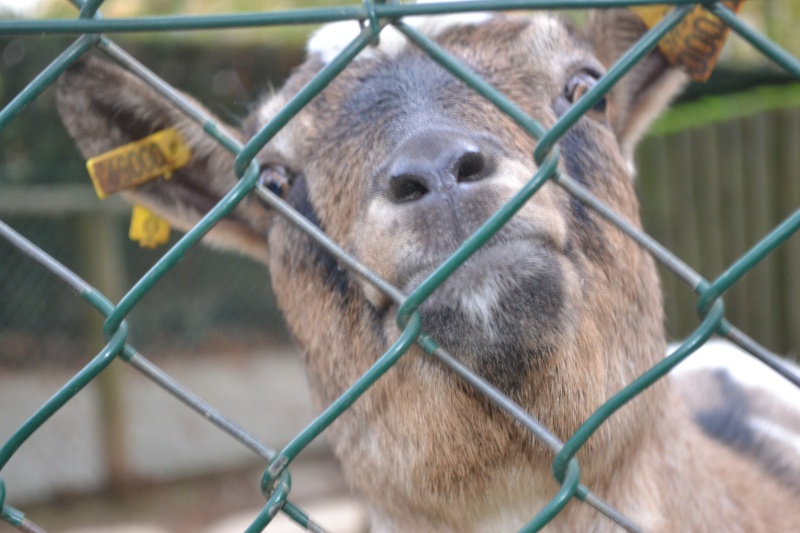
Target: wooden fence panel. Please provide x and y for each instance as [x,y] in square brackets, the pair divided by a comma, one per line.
[709,194]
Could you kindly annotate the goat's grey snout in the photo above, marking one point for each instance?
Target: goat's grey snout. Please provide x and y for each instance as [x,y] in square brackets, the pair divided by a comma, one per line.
[437,161]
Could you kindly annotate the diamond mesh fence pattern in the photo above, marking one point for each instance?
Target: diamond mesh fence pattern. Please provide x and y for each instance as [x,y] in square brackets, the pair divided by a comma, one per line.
[276,481]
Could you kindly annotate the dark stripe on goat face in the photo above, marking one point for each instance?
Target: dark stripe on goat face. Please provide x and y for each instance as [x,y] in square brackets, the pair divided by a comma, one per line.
[574,146]
[336,276]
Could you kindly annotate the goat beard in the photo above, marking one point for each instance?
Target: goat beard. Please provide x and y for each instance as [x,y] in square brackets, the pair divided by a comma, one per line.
[499,312]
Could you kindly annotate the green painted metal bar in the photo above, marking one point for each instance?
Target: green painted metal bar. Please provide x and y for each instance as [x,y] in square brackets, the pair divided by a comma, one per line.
[660,369]
[181,22]
[301,16]
[557,504]
[171,258]
[481,86]
[477,239]
[275,503]
[136,360]
[662,254]
[746,343]
[446,7]
[45,78]
[199,116]
[89,8]
[73,386]
[777,54]
[625,63]
[523,417]
[303,96]
[744,264]
[326,418]
[347,260]
[13,516]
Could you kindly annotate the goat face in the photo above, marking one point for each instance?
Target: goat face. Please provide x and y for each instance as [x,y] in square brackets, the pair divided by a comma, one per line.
[399,162]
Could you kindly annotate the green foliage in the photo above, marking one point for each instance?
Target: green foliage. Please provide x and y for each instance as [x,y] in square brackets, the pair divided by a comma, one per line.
[712,109]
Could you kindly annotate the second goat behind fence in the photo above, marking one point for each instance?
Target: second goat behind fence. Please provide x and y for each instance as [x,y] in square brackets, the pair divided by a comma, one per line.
[399,162]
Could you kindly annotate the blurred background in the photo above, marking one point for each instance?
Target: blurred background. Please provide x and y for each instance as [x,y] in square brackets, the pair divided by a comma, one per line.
[715,175]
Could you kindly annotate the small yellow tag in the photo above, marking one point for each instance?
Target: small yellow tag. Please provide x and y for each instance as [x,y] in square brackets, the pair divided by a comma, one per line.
[138,162]
[696,42]
[147,228]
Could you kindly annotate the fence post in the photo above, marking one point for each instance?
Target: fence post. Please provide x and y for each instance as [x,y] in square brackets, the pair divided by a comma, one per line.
[104,268]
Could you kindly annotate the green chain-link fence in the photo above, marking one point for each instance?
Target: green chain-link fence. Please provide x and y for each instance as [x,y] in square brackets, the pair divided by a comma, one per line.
[276,481]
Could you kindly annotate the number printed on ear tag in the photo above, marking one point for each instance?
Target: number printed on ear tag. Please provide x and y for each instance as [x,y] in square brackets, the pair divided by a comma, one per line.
[138,162]
[696,42]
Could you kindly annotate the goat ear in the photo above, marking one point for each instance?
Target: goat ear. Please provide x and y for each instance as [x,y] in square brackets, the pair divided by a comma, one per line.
[103,106]
[646,90]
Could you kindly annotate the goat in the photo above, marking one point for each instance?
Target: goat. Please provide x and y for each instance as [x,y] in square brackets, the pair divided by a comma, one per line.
[398,161]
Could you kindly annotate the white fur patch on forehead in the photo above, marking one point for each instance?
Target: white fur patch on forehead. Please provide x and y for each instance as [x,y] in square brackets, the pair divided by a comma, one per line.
[266,111]
[331,39]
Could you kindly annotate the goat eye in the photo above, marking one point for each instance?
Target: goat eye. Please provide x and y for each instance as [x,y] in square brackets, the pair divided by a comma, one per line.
[276,178]
[579,84]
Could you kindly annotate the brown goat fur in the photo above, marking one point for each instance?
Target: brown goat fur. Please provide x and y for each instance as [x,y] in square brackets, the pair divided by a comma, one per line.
[399,162]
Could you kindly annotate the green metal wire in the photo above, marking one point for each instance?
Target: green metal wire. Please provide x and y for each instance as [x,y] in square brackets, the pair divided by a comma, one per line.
[544,147]
[276,481]
[628,60]
[746,263]
[59,399]
[329,415]
[136,360]
[311,89]
[690,345]
[46,78]
[766,46]
[387,11]
[169,260]
[89,9]
[275,503]
[11,515]
[569,486]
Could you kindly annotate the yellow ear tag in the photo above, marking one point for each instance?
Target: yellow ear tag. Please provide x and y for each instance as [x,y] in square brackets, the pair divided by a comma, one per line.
[138,162]
[147,228]
[696,42]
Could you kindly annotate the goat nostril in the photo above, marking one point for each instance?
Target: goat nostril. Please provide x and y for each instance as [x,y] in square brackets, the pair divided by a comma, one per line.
[437,161]
[407,187]
[470,167]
